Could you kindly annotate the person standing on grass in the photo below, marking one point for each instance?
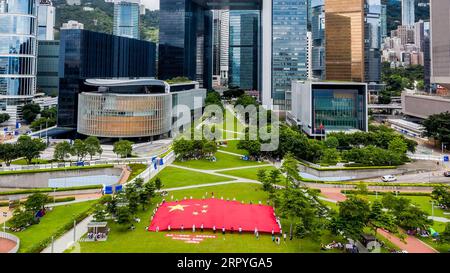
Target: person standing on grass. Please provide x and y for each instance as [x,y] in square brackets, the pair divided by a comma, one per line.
[223,230]
[284,236]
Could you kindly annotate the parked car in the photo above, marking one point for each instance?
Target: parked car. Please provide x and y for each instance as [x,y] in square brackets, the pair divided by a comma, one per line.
[447,174]
[388,178]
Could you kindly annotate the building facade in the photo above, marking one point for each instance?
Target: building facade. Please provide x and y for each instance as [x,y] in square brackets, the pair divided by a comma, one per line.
[186,42]
[46,20]
[131,108]
[47,79]
[322,107]
[440,43]
[345,40]
[408,12]
[18,27]
[87,54]
[372,42]
[318,39]
[71,24]
[221,25]
[423,106]
[126,18]
[244,49]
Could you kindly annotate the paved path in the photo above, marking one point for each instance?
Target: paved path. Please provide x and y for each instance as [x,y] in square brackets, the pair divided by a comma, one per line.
[439,219]
[66,241]
[412,245]
[230,153]
[215,172]
[6,245]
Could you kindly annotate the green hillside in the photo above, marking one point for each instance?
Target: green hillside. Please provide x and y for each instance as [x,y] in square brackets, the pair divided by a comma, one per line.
[101,18]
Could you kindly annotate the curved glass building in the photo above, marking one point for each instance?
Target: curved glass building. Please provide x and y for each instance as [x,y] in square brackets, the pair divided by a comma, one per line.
[18,25]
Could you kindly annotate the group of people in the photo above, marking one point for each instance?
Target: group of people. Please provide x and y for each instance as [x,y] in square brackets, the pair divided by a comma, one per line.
[96,236]
[332,245]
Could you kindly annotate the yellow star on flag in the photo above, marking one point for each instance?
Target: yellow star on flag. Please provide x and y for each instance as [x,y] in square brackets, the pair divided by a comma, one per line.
[177,207]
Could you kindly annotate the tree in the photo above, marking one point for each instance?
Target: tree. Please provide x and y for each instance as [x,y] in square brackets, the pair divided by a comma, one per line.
[63,150]
[93,146]
[182,148]
[441,195]
[36,202]
[438,127]
[158,183]
[352,218]
[246,100]
[331,142]
[4,118]
[209,148]
[301,207]
[265,181]
[100,213]
[397,145]
[8,153]
[30,112]
[132,197]
[79,149]
[49,113]
[330,156]
[147,193]
[274,176]
[379,218]
[289,167]
[21,218]
[253,147]
[30,148]
[362,189]
[123,216]
[123,148]
[445,235]
[412,218]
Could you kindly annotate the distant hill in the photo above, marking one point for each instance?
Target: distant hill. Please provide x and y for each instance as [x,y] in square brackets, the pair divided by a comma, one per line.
[394,13]
[101,18]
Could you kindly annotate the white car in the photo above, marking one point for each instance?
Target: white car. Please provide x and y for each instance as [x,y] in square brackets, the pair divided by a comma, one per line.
[388,178]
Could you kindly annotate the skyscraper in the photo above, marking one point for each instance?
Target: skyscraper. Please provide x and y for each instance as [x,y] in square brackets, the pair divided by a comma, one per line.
[372,41]
[344,40]
[383,19]
[318,39]
[18,28]
[440,43]
[221,43]
[289,48]
[126,18]
[46,20]
[408,16]
[244,49]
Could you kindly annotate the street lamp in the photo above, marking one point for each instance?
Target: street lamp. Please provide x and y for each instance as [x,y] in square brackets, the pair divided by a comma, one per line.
[5,215]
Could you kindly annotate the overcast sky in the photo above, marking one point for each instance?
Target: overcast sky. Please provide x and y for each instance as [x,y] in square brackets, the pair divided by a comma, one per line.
[151,4]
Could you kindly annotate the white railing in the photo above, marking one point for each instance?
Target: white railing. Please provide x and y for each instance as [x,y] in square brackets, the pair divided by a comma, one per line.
[13,238]
[425,157]
[150,172]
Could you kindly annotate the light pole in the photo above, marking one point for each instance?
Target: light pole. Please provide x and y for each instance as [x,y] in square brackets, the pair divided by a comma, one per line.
[74,231]
[432,208]
[5,214]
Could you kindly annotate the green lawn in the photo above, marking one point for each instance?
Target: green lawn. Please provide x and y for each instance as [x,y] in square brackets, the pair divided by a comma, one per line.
[424,202]
[224,161]
[172,177]
[331,205]
[140,240]
[50,224]
[232,148]
[249,173]
[136,169]
[23,161]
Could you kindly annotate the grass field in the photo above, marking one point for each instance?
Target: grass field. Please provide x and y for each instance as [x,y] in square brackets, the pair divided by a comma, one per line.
[136,169]
[140,240]
[232,148]
[172,177]
[51,223]
[424,202]
[23,161]
[224,161]
[249,173]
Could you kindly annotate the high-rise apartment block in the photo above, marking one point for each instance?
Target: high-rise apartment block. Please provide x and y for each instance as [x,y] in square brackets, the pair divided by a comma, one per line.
[46,20]
[126,18]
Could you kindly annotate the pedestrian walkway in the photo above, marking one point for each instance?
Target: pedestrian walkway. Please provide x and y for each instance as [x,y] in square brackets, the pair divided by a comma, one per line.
[412,245]
[67,240]
[439,219]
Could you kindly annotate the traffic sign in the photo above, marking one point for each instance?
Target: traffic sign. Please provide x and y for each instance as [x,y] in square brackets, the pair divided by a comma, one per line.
[446,158]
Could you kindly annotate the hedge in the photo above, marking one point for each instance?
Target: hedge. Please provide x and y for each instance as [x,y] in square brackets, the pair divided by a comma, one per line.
[71,168]
[347,168]
[38,247]
[385,192]
[42,190]
[380,184]
[50,200]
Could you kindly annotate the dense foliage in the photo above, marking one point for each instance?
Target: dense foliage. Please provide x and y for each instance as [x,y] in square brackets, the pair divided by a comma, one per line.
[438,127]
[185,149]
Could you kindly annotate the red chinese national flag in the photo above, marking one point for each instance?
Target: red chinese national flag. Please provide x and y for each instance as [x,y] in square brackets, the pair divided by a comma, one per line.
[214,212]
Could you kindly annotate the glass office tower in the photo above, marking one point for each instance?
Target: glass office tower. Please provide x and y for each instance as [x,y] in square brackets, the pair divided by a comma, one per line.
[126,19]
[372,42]
[86,54]
[289,48]
[318,39]
[244,49]
[18,28]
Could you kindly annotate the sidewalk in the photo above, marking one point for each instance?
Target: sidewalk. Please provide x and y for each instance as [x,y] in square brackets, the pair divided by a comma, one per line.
[66,241]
